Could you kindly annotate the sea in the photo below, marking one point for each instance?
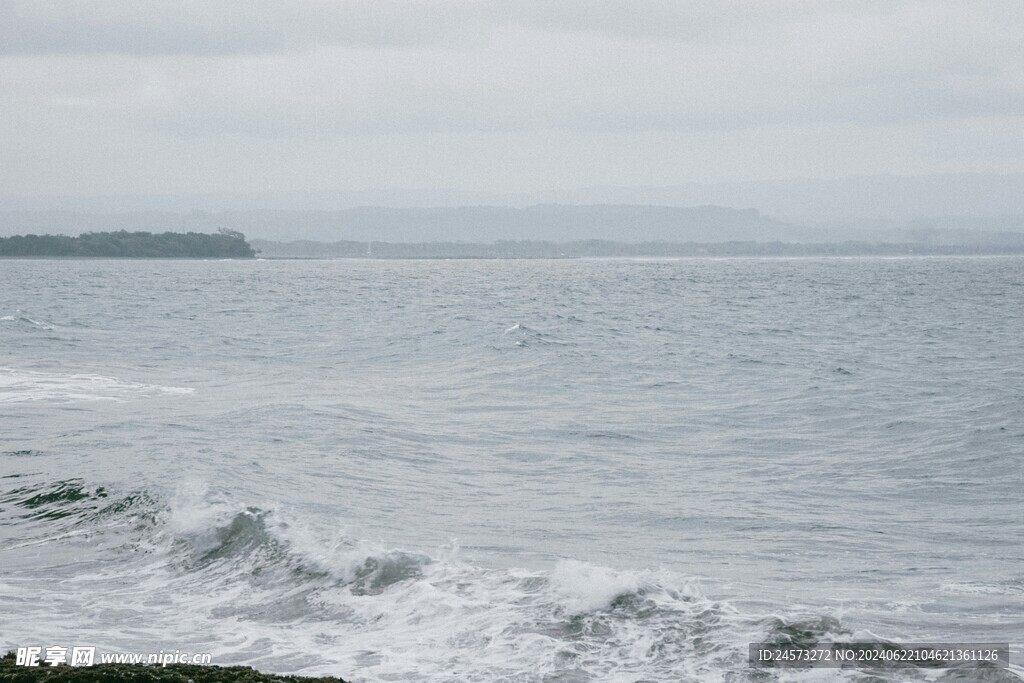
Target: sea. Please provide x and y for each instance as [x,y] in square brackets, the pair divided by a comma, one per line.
[514,470]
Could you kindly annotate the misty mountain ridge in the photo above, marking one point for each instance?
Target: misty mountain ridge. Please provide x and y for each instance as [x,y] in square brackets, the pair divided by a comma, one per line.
[625,223]
[849,200]
[558,223]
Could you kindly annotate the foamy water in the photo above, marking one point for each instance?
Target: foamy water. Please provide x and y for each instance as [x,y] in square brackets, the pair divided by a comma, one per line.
[17,386]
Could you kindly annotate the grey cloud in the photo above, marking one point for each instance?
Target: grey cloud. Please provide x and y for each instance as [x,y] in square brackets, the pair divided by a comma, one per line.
[111,92]
[520,82]
[199,27]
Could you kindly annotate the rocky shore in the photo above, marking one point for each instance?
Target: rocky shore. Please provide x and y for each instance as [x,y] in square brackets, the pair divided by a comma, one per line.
[143,673]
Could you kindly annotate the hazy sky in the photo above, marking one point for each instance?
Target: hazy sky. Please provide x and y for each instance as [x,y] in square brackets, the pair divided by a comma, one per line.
[139,97]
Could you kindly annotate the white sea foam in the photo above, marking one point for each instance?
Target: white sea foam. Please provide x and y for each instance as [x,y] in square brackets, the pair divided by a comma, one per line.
[194,510]
[398,615]
[22,318]
[283,591]
[19,386]
[982,589]
[583,587]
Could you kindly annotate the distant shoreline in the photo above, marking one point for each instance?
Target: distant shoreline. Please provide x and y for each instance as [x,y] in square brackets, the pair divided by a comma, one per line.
[229,244]
[593,257]
[607,249]
[123,244]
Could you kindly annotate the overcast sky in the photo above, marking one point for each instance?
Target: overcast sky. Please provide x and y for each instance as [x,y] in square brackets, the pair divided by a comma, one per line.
[142,97]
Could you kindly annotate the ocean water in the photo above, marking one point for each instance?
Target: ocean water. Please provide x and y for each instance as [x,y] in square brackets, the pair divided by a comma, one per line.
[559,471]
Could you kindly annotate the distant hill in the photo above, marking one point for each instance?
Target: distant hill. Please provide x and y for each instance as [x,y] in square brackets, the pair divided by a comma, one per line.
[528,249]
[628,223]
[559,222]
[895,200]
[225,244]
[555,222]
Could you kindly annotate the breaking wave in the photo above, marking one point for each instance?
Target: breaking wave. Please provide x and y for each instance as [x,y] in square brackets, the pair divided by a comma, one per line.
[305,598]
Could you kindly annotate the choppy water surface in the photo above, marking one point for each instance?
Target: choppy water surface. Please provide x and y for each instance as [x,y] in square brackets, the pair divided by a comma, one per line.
[511,470]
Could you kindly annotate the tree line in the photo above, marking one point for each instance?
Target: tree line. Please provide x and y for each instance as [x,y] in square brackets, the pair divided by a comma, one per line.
[123,244]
